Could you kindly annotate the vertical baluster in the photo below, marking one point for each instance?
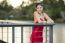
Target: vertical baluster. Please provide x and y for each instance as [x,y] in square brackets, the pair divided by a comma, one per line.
[51,34]
[46,34]
[13,35]
[21,34]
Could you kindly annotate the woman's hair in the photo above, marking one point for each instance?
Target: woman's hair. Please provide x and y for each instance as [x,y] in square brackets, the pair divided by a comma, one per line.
[39,4]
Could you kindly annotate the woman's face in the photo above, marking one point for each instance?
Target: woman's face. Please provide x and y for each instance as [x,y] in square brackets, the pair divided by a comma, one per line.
[39,8]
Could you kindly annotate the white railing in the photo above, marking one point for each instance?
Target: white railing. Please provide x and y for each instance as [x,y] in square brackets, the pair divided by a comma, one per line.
[12,32]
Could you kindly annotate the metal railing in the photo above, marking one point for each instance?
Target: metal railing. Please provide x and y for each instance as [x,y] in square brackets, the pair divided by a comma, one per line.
[13,25]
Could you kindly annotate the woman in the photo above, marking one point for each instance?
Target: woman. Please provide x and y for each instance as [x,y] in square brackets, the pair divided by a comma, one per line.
[39,17]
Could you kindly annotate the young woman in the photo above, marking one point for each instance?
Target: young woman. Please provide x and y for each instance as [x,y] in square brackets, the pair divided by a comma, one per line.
[39,17]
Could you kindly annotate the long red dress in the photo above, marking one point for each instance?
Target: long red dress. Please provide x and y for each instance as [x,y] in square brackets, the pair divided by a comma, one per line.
[37,34]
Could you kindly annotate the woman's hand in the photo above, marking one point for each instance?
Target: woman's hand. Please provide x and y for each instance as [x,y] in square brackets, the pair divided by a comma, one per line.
[50,21]
[44,21]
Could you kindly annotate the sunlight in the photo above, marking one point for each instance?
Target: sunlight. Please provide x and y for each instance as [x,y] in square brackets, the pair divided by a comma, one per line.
[17,3]
[57,0]
[64,1]
[1,1]
[14,3]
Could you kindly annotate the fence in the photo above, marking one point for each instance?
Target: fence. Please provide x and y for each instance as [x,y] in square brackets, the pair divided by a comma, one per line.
[9,30]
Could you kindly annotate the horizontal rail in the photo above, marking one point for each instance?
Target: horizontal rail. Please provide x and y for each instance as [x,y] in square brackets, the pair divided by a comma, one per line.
[27,24]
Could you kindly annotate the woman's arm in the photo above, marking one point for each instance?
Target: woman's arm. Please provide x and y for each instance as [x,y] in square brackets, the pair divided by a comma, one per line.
[49,20]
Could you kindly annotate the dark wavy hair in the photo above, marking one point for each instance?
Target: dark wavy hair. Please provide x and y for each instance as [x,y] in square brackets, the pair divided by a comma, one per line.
[39,4]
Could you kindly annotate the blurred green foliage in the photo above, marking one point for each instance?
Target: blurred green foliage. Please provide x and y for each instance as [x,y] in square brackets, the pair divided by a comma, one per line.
[52,7]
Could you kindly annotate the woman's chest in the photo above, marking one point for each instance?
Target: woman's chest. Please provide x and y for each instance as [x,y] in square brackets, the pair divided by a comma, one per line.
[41,17]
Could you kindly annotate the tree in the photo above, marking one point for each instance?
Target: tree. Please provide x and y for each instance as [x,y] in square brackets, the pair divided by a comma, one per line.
[4,9]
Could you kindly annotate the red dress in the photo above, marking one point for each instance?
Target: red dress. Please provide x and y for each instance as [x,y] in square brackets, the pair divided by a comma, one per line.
[37,34]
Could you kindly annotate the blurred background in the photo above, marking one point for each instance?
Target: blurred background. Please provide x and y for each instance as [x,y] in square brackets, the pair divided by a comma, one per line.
[22,10]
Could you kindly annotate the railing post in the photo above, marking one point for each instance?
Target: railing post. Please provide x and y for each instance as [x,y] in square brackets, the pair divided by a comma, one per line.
[13,35]
[21,34]
[51,34]
[7,34]
[46,34]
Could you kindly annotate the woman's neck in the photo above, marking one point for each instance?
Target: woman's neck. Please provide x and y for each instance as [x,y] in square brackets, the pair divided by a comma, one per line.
[40,13]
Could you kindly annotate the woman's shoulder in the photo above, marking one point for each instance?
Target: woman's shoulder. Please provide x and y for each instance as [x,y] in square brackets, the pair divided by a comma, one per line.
[35,12]
[45,13]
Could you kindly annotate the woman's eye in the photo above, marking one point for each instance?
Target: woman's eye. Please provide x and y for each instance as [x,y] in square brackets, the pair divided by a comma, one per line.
[41,7]
[37,8]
